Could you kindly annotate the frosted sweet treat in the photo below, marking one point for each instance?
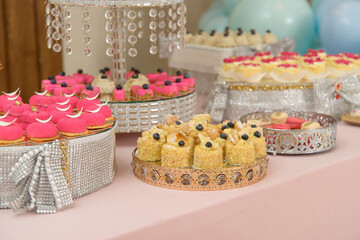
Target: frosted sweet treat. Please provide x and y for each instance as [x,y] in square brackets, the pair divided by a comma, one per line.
[90,92]
[200,37]
[181,86]
[248,69]
[143,92]
[188,37]
[189,80]
[87,102]
[287,68]
[59,113]
[72,125]
[279,117]
[78,88]
[310,125]
[42,131]
[240,150]
[61,76]
[314,65]
[94,119]
[254,37]
[177,151]
[226,41]
[259,144]
[212,39]
[269,38]
[319,53]
[241,38]
[104,84]
[134,80]
[119,93]
[340,64]
[269,64]
[50,88]
[48,81]
[153,77]
[63,89]
[85,78]
[10,133]
[105,110]
[150,144]
[169,90]
[208,154]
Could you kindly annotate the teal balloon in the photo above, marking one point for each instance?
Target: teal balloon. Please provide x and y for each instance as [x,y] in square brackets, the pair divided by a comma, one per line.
[284,18]
[216,4]
[209,15]
[340,28]
[229,5]
[218,23]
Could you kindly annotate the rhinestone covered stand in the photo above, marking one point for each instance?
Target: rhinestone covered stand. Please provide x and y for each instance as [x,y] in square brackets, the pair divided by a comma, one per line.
[199,180]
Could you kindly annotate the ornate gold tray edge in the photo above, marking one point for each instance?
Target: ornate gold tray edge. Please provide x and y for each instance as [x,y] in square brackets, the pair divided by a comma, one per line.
[199,180]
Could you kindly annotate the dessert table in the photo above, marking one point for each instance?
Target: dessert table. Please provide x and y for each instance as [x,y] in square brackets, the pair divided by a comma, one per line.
[302,197]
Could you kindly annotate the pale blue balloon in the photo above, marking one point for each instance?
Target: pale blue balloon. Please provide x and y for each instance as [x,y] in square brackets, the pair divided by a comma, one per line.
[340,28]
[229,5]
[218,23]
[209,15]
[322,9]
[284,18]
[216,4]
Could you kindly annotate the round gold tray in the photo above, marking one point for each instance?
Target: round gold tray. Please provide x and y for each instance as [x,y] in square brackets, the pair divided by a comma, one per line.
[199,180]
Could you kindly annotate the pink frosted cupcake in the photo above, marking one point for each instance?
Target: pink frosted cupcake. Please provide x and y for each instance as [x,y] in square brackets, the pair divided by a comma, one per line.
[94,119]
[189,80]
[10,133]
[105,110]
[85,78]
[153,77]
[42,131]
[17,109]
[87,102]
[90,92]
[181,86]
[60,113]
[169,89]
[72,125]
[143,92]
[119,93]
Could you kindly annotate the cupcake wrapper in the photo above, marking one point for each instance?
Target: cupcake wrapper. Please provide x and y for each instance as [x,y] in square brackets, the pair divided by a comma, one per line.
[287,77]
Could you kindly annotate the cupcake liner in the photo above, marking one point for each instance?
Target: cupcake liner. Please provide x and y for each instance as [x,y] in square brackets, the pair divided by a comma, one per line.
[313,76]
[287,77]
[335,73]
[239,77]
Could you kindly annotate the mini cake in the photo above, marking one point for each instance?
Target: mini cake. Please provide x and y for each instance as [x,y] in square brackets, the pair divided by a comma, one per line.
[104,109]
[212,39]
[50,88]
[86,78]
[177,152]
[63,89]
[60,113]
[149,146]
[10,133]
[71,126]
[259,144]
[47,81]
[119,93]
[103,84]
[279,117]
[169,90]
[135,80]
[188,37]
[61,76]
[181,86]
[240,150]
[87,102]
[208,154]
[199,37]
[143,92]
[153,77]
[241,38]
[94,119]
[42,131]
[269,64]
[226,41]
[310,125]
[269,38]
[254,37]
[248,69]
[287,68]
[189,80]
[89,92]
[64,104]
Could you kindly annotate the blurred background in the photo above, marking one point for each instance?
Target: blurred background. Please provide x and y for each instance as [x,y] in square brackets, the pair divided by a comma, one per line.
[330,24]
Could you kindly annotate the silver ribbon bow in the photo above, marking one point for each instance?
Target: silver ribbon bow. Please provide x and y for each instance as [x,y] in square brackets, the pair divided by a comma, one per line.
[348,91]
[40,173]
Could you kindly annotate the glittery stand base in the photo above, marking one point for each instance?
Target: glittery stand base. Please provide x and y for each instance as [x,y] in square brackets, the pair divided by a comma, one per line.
[199,180]
[88,164]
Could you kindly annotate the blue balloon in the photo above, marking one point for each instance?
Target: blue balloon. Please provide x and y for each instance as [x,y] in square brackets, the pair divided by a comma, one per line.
[229,5]
[340,28]
[216,4]
[218,23]
[283,17]
[209,15]
[322,9]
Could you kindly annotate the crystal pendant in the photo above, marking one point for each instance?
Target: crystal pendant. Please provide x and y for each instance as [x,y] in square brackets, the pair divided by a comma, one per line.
[140,34]
[49,43]
[162,14]
[140,24]
[132,27]
[131,14]
[87,51]
[132,52]
[68,50]
[109,39]
[110,51]
[55,12]
[140,13]
[132,39]
[153,25]
[68,38]
[162,24]
[55,23]
[86,39]
[55,36]
[56,47]
[109,26]
[86,26]
[85,14]
[109,14]
[48,8]
[153,37]
[49,31]
[153,50]
[153,12]
[48,20]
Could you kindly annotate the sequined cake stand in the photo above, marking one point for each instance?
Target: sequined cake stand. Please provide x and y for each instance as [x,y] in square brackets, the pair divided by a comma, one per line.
[298,141]
[140,116]
[199,180]
[47,177]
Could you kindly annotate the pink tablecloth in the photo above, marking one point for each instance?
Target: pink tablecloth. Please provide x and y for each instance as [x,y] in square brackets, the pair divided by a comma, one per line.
[302,197]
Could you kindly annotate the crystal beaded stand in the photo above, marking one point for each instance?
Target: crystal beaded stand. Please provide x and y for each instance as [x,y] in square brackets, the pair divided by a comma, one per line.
[140,116]
[298,141]
[199,180]
[86,163]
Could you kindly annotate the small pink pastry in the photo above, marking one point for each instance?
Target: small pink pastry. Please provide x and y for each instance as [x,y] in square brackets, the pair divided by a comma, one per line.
[69,99]
[104,109]
[11,132]
[153,77]
[72,126]
[177,75]
[47,81]
[90,92]
[45,101]
[42,131]
[129,74]
[78,88]
[143,93]
[87,102]
[119,93]
[64,104]
[60,113]
[61,76]
[189,80]
[182,86]
[86,78]
[94,119]
[64,89]
[17,109]
[31,116]
[169,90]
[157,88]
[11,96]
[50,88]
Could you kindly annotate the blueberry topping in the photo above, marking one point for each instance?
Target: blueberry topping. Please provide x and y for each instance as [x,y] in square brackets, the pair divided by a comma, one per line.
[106,69]
[133,69]
[51,77]
[102,71]
[268,31]
[79,71]
[118,87]
[167,83]
[252,31]
[89,87]
[186,75]
[231,124]
[245,137]
[181,143]
[64,84]
[227,28]
[257,134]
[224,127]
[208,144]
[226,34]
[178,123]
[178,80]
[160,70]
[223,136]
[240,32]
[200,31]
[145,86]
[53,81]
[62,74]
[178,73]
[253,126]
[156,136]
[212,32]
[137,71]
[103,76]
[199,127]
